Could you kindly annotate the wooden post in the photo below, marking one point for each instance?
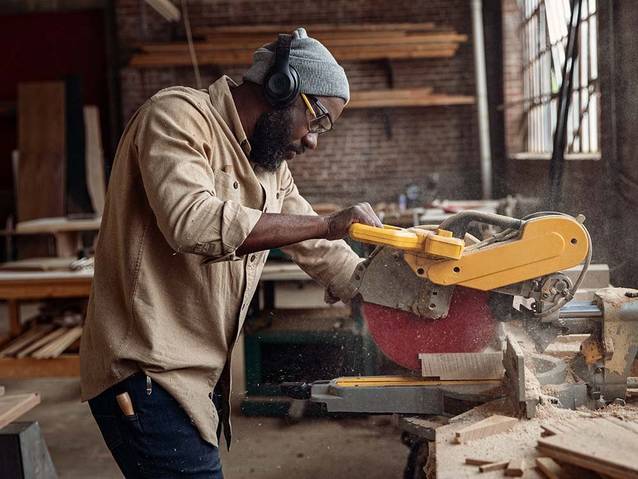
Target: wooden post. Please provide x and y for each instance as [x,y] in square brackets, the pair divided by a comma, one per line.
[15,328]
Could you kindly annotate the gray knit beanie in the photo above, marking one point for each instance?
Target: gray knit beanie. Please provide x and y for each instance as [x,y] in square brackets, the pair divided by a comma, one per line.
[319,72]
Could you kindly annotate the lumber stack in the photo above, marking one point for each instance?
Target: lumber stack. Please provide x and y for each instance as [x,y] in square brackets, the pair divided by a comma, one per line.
[235,45]
[42,341]
[415,97]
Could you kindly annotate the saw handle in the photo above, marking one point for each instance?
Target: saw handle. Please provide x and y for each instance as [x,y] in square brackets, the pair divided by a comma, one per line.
[439,244]
[393,236]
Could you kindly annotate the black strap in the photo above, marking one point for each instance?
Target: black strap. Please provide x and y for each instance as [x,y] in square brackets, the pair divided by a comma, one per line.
[282,52]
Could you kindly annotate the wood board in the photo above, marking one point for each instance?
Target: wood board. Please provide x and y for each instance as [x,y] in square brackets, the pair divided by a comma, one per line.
[487,427]
[600,445]
[229,45]
[41,178]
[462,365]
[59,345]
[12,406]
[43,341]
[35,333]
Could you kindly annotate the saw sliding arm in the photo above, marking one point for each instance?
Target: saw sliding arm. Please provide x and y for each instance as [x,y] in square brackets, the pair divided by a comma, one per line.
[415,269]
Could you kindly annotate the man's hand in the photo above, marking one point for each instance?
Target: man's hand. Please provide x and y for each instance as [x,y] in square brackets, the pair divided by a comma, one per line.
[339,222]
[275,230]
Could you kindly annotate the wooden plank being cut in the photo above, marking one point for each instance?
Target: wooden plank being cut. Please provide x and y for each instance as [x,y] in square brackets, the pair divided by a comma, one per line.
[22,341]
[41,184]
[601,446]
[487,427]
[462,365]
[12,406]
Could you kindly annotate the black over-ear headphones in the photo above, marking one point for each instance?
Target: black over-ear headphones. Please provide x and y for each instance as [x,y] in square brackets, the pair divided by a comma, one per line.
[281,85]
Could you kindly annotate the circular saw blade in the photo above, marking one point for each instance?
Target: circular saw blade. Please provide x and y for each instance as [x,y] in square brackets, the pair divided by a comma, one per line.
[402,336]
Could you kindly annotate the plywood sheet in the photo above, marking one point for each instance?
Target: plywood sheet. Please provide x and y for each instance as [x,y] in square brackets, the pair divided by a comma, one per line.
[41,182]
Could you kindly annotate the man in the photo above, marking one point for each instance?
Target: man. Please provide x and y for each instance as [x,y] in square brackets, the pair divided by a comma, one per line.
[200,190]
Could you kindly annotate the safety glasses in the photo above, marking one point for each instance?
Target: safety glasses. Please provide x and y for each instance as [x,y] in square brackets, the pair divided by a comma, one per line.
[319,120]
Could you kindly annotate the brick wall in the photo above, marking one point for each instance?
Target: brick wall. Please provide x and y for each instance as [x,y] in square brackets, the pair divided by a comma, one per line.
[373,154]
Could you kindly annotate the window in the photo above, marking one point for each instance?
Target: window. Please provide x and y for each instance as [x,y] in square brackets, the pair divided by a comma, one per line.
[545,30]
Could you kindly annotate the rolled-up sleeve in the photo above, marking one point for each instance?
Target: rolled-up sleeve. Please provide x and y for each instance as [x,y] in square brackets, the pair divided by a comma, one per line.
[331,263]
[173,143]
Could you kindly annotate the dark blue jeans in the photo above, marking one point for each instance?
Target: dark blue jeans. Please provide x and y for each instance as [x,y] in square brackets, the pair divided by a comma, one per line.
[159,440]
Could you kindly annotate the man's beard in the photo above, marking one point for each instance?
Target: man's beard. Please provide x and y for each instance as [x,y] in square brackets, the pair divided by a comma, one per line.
[270,142]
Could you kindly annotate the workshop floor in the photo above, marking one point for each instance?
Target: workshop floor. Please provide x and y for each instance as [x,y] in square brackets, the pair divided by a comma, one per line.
[265,448]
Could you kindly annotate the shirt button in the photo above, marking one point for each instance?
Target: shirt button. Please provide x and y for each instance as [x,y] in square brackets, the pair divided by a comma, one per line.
[277,195]
[252,258]
[235,185]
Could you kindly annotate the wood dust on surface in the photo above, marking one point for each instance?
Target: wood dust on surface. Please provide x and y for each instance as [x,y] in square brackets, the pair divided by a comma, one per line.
[519,442]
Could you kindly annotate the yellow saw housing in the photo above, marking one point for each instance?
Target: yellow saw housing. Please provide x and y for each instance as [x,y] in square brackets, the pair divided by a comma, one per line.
[545,245]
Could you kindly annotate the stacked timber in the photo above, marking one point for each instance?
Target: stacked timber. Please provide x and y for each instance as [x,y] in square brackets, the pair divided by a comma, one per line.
[235,45]
[42,341]
[415,97]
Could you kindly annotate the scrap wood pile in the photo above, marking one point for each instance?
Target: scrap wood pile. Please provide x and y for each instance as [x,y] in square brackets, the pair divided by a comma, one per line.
[234,45]
[575,448]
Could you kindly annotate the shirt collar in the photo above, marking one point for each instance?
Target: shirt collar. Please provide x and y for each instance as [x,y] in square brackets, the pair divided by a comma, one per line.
[223,102]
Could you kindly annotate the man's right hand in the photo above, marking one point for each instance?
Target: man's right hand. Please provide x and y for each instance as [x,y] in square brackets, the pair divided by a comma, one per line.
[339,223]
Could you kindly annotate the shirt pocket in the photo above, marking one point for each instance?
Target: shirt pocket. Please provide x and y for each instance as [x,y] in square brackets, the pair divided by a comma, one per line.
[227,187]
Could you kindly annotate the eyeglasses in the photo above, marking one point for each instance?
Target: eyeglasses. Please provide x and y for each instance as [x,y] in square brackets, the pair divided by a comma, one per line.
[319,121]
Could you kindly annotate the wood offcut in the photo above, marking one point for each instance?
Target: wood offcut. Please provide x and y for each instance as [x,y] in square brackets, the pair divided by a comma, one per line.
[487,427]
[12,406]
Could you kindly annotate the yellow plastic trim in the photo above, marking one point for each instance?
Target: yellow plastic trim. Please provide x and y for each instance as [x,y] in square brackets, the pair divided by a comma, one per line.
[397,381]
[387,236]
[546,245]
[444,245]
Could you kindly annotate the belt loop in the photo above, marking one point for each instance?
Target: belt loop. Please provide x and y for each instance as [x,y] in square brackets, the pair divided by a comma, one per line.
[149,386]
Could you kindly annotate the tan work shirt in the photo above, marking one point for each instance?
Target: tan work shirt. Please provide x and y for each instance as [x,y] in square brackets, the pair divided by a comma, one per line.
[170,295]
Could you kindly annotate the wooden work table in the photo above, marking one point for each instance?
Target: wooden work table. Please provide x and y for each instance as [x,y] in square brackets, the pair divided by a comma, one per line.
[16,287]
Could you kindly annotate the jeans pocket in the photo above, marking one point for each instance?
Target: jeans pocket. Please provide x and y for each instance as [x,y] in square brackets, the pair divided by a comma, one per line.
[110,429]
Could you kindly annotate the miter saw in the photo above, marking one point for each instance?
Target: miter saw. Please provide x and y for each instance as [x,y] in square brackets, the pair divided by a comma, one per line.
[442,290]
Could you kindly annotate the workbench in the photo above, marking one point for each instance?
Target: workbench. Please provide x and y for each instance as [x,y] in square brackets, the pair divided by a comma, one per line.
[17,287]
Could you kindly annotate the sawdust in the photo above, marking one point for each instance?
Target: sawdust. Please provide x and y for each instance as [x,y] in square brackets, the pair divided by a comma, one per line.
[519,442]
[628,412]
[532,386]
